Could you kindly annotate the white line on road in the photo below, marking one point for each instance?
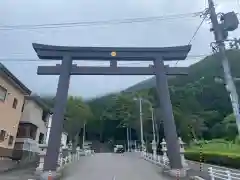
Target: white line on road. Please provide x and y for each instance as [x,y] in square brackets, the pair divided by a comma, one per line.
[114,178]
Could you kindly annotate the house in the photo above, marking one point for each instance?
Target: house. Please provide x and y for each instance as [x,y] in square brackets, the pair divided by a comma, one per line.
[32,129]
[64,137]
[12,93]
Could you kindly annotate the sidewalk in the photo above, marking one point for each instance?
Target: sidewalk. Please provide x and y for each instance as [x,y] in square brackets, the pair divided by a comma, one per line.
[22,174]
[7,164]
[11,170]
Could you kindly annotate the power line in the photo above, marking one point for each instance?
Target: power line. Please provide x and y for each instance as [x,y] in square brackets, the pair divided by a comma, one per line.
[95,23]
[194,35]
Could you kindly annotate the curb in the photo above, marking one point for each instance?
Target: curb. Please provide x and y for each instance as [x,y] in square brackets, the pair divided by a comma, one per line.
[196,178]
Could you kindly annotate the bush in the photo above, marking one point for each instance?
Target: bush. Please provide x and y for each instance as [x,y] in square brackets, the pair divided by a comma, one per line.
[216,158]
[237,140]
[219,141]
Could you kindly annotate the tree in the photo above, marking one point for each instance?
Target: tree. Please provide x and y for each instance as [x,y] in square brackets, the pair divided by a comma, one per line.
[229,123]
[77,113]
[200,105]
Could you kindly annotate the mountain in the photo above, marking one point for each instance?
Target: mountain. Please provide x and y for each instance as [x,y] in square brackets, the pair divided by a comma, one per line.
[209,68]
[146,84]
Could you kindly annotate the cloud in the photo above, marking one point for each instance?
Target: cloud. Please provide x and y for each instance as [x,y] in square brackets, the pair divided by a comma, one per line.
[17,44]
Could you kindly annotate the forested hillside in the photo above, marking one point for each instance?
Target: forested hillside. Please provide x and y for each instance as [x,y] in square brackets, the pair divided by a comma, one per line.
[199,101]
[201,106]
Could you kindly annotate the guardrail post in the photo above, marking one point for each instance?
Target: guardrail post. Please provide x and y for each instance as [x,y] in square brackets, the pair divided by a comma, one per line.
[158,159]
[210,170]
[229,175]
[78,153]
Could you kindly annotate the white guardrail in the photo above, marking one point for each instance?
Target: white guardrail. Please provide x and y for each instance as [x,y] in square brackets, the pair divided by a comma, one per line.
[158,160]
[62,161]
[223,174]
[214,172]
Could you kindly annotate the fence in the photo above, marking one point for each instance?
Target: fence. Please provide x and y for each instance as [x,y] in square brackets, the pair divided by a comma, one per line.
[223,174]
[158,160]
[214,173]
[62,161]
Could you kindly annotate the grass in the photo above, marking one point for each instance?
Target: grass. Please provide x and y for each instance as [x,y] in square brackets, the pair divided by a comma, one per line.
[217,146]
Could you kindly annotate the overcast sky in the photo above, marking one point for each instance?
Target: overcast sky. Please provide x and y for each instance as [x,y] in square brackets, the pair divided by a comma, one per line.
[17,44]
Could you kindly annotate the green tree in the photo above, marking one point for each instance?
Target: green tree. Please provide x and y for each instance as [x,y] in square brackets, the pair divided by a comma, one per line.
[77,113]
[230,127]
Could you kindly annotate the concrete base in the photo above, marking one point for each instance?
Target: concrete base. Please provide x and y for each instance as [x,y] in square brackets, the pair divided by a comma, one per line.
[177,172]
[55,175]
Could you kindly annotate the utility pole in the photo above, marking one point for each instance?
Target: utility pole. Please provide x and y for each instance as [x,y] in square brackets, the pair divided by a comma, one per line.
[229,22]
[153,124]
[128,145]
[141,123]
[83,137]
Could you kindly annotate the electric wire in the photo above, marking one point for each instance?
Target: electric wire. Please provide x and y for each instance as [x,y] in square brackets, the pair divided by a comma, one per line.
[94,23]
[198,28]
[195,33]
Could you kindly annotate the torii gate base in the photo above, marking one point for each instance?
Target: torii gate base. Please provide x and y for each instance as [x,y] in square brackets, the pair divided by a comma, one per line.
[66,69]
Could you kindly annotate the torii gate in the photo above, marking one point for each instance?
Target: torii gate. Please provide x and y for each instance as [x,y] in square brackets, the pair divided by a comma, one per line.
[112,54]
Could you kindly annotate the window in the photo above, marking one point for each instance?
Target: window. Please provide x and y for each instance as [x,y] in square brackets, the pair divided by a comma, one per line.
[2,135]
[41,138]
[3,93]
[10,140]
[33,131]
[44,115]
[15,102]
[23,106]
[21,131]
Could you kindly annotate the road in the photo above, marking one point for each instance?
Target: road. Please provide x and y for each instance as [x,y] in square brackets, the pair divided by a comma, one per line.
[109,166]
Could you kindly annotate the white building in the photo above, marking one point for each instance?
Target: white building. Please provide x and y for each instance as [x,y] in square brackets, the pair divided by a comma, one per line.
[32,129]
[64,134]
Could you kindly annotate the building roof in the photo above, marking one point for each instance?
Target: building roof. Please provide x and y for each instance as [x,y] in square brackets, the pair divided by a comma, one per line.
[39,101]
[14,80]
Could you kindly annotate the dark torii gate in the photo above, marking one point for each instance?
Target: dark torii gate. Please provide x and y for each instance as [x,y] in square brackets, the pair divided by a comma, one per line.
[112,54]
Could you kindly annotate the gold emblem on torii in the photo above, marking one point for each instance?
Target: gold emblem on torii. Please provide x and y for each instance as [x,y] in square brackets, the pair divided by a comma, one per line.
[113,53]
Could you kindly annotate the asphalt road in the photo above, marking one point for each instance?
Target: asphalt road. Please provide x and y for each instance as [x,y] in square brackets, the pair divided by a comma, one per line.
[110,166]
